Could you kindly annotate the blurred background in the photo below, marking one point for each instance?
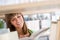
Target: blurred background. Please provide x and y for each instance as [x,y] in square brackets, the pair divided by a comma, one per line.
[38,15]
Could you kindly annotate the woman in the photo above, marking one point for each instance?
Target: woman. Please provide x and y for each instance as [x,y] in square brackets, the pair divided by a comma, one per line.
[15,22]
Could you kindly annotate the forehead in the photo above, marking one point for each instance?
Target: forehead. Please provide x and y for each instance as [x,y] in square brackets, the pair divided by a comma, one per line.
[17,15]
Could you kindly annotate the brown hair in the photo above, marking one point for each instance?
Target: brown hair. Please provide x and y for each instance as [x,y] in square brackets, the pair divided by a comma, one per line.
[9,25]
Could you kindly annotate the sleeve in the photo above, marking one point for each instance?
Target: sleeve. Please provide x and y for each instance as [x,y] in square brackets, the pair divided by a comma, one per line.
[30,31]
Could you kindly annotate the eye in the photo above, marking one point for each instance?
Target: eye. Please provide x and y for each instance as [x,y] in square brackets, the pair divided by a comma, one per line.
[13,19]
[18,16]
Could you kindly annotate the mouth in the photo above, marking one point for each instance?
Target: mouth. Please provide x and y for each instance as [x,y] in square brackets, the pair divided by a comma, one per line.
[18,23]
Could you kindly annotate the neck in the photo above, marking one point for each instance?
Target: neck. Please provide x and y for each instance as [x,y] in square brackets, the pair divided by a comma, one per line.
[19,31]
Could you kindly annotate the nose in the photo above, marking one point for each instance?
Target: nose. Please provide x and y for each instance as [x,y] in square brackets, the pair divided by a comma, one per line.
[17,20]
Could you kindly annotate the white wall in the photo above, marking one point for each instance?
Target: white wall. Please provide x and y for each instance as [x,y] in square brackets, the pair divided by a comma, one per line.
[33,25]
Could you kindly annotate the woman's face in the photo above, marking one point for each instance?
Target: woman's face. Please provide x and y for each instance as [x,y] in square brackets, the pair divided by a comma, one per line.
[17,21]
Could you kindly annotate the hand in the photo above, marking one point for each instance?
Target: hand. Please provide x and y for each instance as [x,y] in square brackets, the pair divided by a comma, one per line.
[26,35]
[21,36]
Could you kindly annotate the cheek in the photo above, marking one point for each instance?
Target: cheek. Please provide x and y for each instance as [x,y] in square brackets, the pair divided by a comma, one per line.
[21,20]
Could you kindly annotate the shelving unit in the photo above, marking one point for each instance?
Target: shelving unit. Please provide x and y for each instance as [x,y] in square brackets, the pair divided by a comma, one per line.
[58,30]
